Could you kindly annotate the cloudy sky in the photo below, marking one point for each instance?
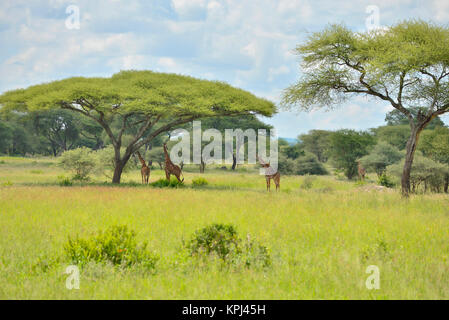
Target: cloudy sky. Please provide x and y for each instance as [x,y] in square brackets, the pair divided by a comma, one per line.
[247,43]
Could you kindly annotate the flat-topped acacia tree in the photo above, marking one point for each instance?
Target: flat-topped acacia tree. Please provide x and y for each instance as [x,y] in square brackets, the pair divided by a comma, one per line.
[143,103]
[406,65]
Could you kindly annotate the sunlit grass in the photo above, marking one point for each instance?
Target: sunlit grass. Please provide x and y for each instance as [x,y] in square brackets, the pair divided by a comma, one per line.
[321,239]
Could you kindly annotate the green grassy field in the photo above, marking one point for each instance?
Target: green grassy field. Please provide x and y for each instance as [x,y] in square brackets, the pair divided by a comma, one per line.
[321,239]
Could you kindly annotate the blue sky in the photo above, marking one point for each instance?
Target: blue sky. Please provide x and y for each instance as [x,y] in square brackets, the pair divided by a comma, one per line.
[246,43]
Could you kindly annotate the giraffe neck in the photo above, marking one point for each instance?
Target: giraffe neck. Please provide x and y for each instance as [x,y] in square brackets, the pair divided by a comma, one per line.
[167,157]
[141,159]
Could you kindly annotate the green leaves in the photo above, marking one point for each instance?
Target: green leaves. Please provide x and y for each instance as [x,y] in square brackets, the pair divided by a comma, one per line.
[406,65]
[146,92]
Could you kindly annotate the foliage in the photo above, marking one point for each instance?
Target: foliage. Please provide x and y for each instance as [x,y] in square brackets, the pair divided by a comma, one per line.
[426,175]
[164,183]
[382,155]
[105,163]
[64,181]
[290,151]
[140,104]
[385,181]
[307,183]
[346,147]
[396,118]
[316,142]
[80,161]
[405,65]
[305,164]
[199,182]
[156,154]
[309,164]
[435,144]
[116,245]
[219,239]
[223,241]
[397,136]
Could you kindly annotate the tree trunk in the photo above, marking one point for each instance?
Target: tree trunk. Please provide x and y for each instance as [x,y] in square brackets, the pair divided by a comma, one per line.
[410,153]
[117,172]
[202,166]
[446,183]
[234,161]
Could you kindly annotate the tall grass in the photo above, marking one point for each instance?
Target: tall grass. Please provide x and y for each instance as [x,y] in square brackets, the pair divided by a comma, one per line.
[321,239]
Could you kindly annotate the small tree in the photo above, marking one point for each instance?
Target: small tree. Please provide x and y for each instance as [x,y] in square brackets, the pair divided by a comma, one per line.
[309,164]
[346,146]
[382,155]
[426,174]
[105,163]
[435,145]
[406,65]
[80,161]
[316,142]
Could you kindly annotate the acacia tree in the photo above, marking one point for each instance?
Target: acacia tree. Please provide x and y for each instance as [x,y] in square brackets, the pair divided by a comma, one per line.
[406,65]
[145,103]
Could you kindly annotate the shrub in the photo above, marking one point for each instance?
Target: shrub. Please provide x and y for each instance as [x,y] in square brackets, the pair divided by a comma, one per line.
[385,181]
[382,155]
[309,164]
[80,161]
[223,241]
[164,183]
[307,183]
[217,238]
[426,174]
[117,245]
[199,182]
[104,162]
[7,184]
[64,181]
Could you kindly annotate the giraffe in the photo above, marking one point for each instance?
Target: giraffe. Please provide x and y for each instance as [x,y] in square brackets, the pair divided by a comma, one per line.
[361,170]
[171,168]
[271,174]
[145,171]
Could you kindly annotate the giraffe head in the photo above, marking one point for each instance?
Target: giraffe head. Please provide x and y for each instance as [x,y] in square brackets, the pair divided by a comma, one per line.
[263,164]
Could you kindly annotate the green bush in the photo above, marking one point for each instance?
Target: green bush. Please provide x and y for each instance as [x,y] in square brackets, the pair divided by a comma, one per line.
[309,164]
[64,181]
[223,241]
[80,161]
[385,181]
[426,174]
[117,245]
[164,183]
[219,239]
[307,183]
[199,182]
[104,162]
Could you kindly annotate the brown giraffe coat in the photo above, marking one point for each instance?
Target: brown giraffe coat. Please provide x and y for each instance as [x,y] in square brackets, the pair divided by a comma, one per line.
[171,168]
[361,170]
[145,171]
[271,174]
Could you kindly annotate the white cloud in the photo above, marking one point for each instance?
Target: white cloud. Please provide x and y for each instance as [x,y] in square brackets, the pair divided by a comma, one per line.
[246,43]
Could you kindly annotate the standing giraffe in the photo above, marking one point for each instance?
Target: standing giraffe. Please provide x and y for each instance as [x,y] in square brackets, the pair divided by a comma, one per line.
[145,171]
[361,170]
[171,168]
[271,174]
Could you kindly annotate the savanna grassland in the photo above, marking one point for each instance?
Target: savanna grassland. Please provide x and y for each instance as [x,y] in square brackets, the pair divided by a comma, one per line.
[322,233]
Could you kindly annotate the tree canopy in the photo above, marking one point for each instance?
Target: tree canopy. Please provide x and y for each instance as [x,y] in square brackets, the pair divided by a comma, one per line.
[145,103]
[406,65]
